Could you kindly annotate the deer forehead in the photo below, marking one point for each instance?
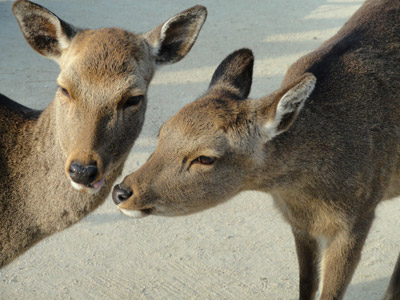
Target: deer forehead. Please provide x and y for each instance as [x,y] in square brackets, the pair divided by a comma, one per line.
[215,113]
[108,55]
[202,125]
[186,143]
[219,111]
[114,90]
[193,120]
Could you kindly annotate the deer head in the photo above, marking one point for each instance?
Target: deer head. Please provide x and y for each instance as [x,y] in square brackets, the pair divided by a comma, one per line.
[214,147]
[98,110]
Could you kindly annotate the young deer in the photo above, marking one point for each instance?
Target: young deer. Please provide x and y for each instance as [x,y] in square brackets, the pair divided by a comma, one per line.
[58,165]
[327,161]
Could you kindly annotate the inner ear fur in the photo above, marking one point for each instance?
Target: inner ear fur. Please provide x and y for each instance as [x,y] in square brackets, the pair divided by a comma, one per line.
[43,30]
[277,114]
[173,39]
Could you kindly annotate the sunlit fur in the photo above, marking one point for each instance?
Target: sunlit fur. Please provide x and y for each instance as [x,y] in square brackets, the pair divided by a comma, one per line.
[87,123]
[327,154]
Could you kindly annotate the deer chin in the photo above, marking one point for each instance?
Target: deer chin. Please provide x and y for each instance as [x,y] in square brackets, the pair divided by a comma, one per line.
[137,213]
[91,189]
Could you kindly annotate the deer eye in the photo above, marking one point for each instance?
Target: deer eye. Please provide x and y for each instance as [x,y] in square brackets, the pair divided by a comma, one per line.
[205,160]
[65,92]
[133,101]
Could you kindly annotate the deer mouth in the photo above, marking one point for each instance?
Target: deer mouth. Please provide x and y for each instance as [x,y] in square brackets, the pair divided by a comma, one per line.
[91,188]
[141,213]
[96,184]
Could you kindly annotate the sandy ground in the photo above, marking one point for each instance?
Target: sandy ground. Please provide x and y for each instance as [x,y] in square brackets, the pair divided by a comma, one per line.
[239,250]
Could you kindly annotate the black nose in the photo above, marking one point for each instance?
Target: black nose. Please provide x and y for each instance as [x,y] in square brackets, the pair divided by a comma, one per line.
[120,194]
[83,174]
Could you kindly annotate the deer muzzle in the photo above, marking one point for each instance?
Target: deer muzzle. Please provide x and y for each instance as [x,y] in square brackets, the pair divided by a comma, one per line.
[85,173]
[121,195]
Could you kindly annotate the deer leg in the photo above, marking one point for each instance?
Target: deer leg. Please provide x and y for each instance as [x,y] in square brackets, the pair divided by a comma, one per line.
[308,258]
[393,290]
[340,259]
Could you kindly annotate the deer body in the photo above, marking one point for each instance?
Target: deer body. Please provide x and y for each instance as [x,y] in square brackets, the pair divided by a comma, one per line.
[58,165]
[326,146]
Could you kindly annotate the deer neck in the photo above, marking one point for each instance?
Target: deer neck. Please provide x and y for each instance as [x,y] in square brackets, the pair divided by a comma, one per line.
[41,200]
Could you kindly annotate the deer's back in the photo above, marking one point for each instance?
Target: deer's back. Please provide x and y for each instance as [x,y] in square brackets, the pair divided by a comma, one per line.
[345,142]
[14,120]
[13,116]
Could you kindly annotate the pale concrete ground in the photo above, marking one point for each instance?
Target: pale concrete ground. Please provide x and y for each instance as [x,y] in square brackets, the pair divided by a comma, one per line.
[239,250]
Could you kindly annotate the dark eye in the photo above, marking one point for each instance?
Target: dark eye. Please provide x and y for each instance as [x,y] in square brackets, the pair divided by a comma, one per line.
[65,92]
[133,101]
[205,160]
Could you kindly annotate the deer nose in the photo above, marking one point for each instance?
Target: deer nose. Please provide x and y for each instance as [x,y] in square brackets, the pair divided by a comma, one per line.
[83,174]
[121,194]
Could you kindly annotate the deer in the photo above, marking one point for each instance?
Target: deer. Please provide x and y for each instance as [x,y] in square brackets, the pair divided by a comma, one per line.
[325,145]
[59,164]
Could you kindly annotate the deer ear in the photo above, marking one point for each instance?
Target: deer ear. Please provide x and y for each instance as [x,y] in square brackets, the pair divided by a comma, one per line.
[43,30]
[235,73]
[173,39]
[279,115]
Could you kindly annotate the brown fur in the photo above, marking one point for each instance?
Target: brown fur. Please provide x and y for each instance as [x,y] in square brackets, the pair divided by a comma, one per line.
[327,164]
[100,69]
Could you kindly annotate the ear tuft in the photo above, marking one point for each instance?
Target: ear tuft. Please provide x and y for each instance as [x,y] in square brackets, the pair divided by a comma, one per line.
[235,71]
[43,30]
[285,108]
[173,39]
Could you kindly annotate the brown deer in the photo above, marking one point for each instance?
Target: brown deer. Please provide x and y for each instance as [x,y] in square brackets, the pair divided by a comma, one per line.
[58,165]
[325,145]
